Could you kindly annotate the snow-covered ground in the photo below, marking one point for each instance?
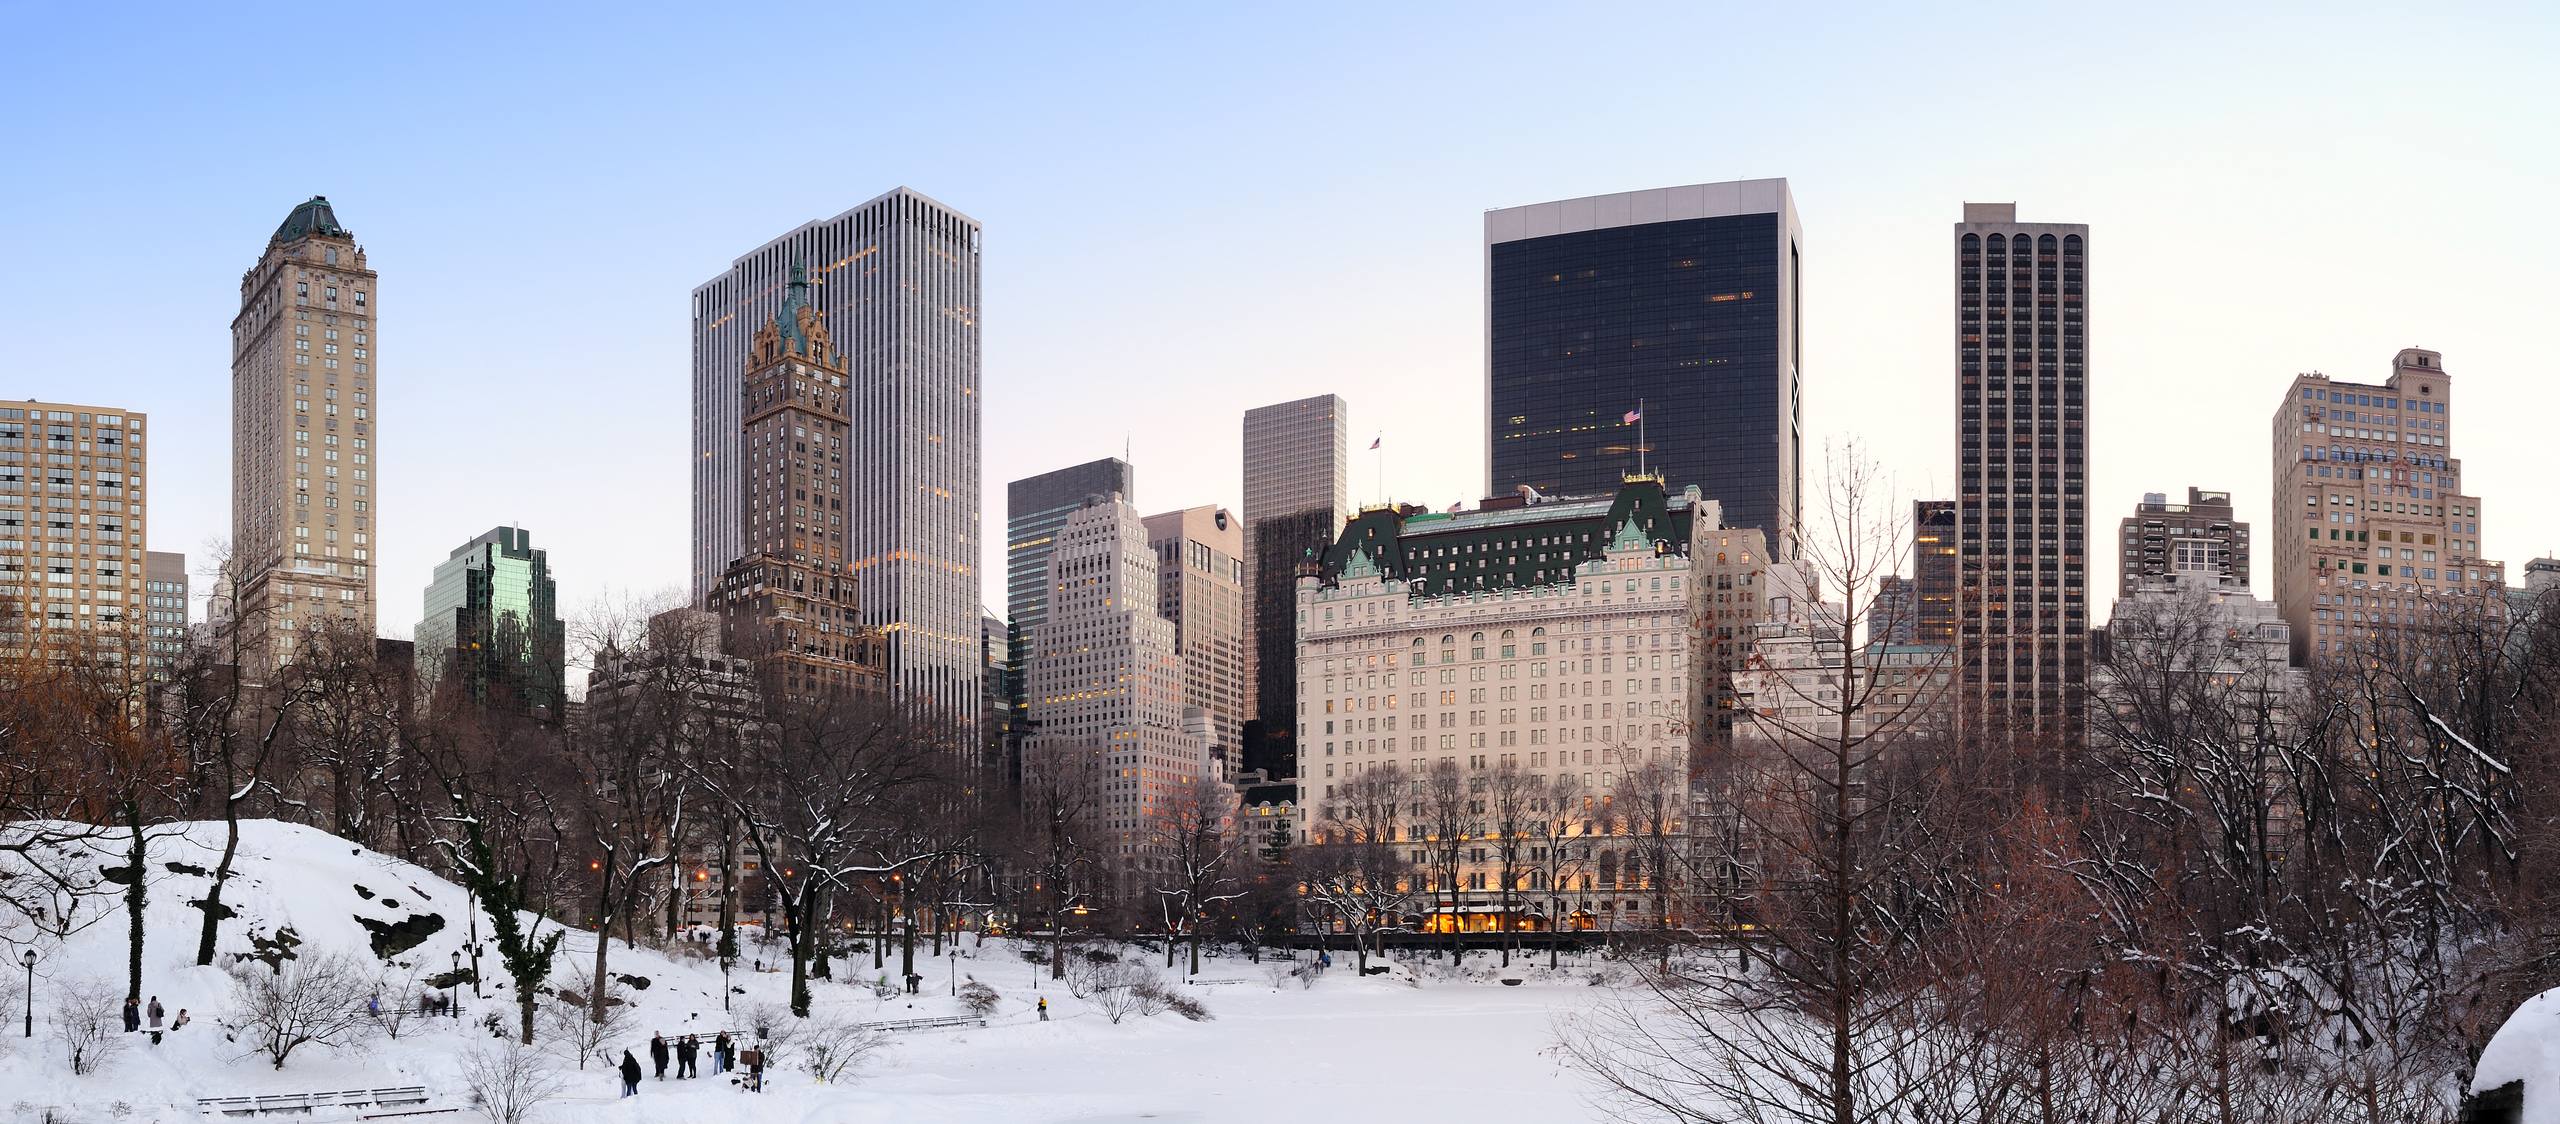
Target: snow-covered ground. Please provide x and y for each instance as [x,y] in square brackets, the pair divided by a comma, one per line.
[1389,1047]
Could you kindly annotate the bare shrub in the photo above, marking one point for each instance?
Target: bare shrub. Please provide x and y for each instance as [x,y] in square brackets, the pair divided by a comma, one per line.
[1278,971]
[833,1048]
[1120,990]
[777,1028]
[1189,1007]
[508,1080]
[1153,996]
[88,1019]
[979,998]
[572,1030]
[315,1000]
[395,1002]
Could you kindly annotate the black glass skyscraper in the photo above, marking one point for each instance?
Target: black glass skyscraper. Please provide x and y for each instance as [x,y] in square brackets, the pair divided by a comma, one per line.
[1681,302]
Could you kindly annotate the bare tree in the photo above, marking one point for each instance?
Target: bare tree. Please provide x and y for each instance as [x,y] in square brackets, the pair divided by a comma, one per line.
[233,729]
[1511,803]
[1559,830]
[826,797]
[308,1000]
[486,785]
[1445,820]
[1061,811]
[509,1081]
[832,1048]
[85,1015]
[1844,896]
[1196,833]
[572,1029]
[1353,870]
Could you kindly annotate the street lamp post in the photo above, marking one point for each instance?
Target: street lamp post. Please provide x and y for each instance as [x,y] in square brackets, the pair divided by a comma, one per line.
[453,988]
[31,992]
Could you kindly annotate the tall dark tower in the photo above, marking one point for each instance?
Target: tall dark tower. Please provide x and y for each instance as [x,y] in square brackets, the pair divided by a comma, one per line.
[2022,510]
[1681,300]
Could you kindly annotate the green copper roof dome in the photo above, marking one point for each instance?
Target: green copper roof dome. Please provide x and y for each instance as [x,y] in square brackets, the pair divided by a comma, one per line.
[312,217]
[786,320]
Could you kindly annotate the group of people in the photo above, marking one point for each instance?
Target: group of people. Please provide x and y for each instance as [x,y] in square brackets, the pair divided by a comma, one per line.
[686,1052]
[133,1016]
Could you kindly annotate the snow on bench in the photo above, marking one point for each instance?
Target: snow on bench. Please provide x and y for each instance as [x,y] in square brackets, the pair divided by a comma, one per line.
[1214,983]
[927,1024]
[303,1104]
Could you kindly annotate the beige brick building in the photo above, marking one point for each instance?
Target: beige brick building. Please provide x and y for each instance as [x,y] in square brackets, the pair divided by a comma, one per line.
[71,523]
[1200,588]
[2373,529]
[303,355]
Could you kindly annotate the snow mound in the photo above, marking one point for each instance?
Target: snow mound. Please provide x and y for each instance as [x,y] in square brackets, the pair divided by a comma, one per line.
[2527,1049]
[295,892]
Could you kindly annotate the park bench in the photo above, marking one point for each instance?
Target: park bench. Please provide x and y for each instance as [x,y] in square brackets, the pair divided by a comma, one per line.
[895,1025]
[306,1104]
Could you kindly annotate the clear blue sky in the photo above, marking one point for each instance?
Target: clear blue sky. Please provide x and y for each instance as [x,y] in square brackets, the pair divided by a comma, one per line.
[1191,210]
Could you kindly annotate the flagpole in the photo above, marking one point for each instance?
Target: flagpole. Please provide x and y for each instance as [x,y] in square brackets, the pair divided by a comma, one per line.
[1640,449]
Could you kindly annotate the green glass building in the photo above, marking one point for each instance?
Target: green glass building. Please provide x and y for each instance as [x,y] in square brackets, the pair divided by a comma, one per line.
[493,626]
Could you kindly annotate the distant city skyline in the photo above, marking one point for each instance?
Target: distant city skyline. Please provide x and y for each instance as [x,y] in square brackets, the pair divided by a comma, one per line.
[1157,276]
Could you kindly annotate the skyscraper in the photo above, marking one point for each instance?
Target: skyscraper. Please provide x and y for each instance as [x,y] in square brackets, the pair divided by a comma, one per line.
[1035,508]
[897,282]
[2161,540]
[1200,588]
[164,612]
[1933,572]
[2388,535]
[1296,478]
[1106,683]
[302,436]
[2022,518]
[1678,300]
[492,624]
[71,525]
[789,601]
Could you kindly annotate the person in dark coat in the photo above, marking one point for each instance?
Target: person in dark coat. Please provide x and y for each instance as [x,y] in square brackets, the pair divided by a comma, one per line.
[754,1057]
[721,1051]
[158,1013]
[688,1050]
[658,1054]
[132,1015]
[630,1074]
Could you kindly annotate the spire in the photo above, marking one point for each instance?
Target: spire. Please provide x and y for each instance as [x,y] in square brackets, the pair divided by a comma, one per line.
[795,301]
[312,217]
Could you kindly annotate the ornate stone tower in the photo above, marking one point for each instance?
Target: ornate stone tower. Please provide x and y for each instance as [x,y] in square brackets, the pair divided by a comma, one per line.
[789,602]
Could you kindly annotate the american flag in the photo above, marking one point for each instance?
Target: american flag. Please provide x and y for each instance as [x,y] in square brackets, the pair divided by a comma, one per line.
[1373,443]
[1633,416]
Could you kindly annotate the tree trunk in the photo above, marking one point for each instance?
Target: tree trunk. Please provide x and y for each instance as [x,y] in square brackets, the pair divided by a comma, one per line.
[1057,946]
[1195,948]
[604,926]
[212,903]
[135,896]
[800,946]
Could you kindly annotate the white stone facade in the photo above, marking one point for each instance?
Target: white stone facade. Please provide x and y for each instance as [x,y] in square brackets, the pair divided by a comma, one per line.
[1106,685]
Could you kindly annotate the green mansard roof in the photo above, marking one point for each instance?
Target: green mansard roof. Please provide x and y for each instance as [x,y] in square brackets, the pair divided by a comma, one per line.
[312,217]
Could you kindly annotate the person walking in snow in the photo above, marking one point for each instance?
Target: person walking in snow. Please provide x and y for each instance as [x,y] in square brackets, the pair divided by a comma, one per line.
[630,1074]
[157,1013]
[1044,1008]
[180,1023]
[688,1049]
[721,1051]
[658,1054]
[132,1015]
[754,1057]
